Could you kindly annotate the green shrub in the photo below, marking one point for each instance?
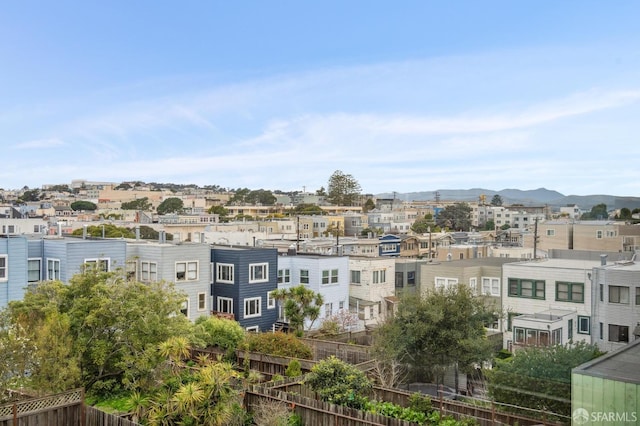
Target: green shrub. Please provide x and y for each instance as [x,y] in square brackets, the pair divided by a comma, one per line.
[339,383]
[293,369]
[278,344]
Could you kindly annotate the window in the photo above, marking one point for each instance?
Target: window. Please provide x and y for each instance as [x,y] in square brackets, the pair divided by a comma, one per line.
[602,292]
[445,283]
[531,289]
[304,276]
[148,271]
[411,278]
[569,292]
[570,329]
[284,276]
[330,276]
[328,309]
[380,277]
[618,294]
[637,295]
[184,309]
[355,277]
[101,264]
[252,307]
[584,325]
[491,286]
[551,232]
[473,285]
[53,269]
[4,265]
[399,279]
[271,302]
[601,331]
[253,329]
[202,301]
[225,305]
[258,272]
[224,273]
[618,333]
[131,269]
[33,272]
[388,248]
[341,305]
[599,234]
[187,271]
[534,337]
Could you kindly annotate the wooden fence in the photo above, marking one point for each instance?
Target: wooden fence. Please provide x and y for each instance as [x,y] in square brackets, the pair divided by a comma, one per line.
[64,409]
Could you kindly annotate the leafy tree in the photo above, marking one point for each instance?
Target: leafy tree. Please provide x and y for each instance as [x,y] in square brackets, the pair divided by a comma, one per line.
[496,200]
[598,212]
[340,383]
[490,225]
[239,196]
[148,233]
[368,205]
[455,216]
[300,304]
[625,213]
[220,211]
[374,231]
[321,192]
[539,377]
[109,230]
[343,189]
[442,329]
[112,327]
[138,204]
[30,195]
[261,196]
[307,209]
[424,225]
[60,188]
[222,333]
[83,206]
[170,205]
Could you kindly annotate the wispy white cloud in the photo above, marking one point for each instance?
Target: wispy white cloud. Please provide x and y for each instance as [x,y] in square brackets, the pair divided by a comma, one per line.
[40,144]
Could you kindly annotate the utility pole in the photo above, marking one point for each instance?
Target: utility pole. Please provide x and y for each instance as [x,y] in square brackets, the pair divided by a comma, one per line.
[535,239]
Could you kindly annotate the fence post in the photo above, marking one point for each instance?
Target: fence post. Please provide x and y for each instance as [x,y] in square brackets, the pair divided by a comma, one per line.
[15,414]
[83,413]
[493,413]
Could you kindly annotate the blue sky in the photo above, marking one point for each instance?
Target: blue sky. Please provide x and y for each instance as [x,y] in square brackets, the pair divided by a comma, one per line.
[405,96]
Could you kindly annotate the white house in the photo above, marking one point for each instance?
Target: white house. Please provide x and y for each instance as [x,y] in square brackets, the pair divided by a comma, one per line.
[372,287]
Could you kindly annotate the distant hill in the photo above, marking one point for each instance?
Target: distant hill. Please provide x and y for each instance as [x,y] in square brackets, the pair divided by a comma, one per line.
[540,196]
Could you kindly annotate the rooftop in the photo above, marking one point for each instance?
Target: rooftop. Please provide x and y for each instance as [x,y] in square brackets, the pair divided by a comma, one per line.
[621,365]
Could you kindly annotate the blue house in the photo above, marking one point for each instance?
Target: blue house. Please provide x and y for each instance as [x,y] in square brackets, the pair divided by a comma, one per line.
[389,245]
[13,268]
[243,279]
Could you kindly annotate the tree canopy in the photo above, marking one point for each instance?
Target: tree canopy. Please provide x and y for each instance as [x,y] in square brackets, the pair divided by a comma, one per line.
[496,200]
[170,205]
[441,329]
[539,377]
[300,304]
[108,230]
[343,189]
[137,204]
[456,217]
[424,225]
[83,206]
[598,212]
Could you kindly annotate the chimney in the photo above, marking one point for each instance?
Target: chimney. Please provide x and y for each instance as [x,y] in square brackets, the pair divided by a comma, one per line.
[603,259]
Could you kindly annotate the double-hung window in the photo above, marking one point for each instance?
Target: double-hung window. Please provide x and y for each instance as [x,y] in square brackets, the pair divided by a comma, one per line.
[355,277]
[225,305]
[4,268]
[187,271]
[33,273]
[490,286]
[569,292]
[584,325]
[224,273]
[304,276]
[101,264]
[258,272]
[532,289]
[53,269]
[252,307]
[148,271]
[202,301]
[284,276]
[618,333]
[380,276]
[330,276]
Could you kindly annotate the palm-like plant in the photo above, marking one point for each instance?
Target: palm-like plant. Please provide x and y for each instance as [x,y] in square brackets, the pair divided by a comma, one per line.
[175,349]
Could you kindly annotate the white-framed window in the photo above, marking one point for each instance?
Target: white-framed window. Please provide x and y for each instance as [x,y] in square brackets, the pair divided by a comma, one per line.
[599,234]
[491,286]
[551,232]
[380,276]
[187,271]
[102,264]
[131,269]
[341,305]
[258,272]
[202,301]
[253,329]
[271,302]
[252,307]
[388,247]
[442,282]
[184,308]
[330,276]
[224,273]
[284,276]
[355,277]
[304,276]
[328,309]
[584,325]
[148,271]
[4,267]
[34,270]
[53,269]
[473,285]
[225,305]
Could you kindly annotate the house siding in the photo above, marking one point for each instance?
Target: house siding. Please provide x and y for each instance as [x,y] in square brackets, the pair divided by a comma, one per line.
[13,287]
